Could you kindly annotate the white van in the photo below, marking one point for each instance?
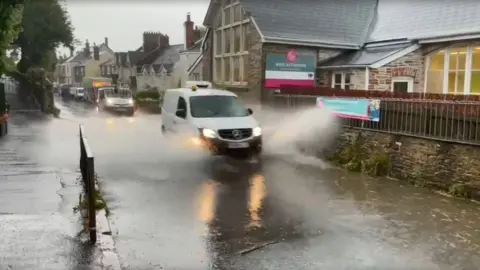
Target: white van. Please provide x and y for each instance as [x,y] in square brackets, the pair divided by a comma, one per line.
[200,84]
[216,118]
[79,93]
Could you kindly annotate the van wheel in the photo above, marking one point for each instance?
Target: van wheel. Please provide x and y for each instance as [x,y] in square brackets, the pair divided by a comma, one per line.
[164,130]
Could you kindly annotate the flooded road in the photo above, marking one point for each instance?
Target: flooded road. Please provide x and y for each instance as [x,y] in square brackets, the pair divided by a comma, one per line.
[177,208]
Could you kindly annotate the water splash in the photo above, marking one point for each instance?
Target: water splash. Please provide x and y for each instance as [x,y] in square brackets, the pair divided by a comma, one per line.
[299,135]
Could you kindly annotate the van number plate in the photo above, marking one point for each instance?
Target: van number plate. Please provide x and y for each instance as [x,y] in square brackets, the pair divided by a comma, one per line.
[238,145]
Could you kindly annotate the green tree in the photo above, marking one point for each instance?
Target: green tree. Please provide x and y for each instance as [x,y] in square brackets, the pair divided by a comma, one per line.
[46,26]
[10,26]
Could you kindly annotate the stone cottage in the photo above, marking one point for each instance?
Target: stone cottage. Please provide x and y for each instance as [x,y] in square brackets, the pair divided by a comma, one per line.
[252,47]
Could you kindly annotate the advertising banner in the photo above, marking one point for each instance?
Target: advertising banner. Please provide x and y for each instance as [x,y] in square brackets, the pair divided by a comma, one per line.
[294,68]
[363,109]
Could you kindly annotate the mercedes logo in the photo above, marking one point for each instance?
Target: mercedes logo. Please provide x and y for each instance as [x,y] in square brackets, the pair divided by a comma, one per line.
[237,134]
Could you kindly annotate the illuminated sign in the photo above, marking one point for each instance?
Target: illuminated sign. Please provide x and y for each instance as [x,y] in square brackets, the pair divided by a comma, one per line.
[101,84]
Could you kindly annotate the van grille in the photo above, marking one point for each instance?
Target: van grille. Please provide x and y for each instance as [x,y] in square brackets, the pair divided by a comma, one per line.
[229,134]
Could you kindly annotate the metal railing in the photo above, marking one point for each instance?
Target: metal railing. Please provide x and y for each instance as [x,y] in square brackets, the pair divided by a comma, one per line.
[441,119]
[87,168]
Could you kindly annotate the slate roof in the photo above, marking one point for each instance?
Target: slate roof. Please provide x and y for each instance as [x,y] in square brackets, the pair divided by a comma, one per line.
[170,56]
[81,56]
[315,22]
[135,57]
[364,57]
[350,24]
[415,19]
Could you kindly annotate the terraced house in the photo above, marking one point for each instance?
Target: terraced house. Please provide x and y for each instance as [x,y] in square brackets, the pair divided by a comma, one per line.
[406,46]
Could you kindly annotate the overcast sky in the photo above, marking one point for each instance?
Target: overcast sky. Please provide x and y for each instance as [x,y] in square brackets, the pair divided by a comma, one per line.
[123,22]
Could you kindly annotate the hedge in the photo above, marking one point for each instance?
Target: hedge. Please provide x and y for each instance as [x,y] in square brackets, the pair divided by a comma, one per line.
[149,94]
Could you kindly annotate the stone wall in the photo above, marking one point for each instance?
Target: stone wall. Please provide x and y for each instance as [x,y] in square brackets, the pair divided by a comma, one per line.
[380,79]
[449,167]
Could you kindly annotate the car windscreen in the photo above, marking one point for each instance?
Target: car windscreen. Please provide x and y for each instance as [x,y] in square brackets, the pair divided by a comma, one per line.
[118,94]
[216,106]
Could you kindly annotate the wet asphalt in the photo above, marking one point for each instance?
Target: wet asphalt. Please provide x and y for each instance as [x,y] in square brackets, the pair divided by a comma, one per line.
[174,207]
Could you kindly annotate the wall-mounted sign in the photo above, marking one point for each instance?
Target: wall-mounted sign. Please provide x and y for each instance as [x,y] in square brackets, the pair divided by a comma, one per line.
[295,68]
[362,108]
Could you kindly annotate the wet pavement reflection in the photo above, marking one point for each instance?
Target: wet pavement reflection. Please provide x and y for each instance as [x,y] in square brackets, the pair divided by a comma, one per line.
[174,208]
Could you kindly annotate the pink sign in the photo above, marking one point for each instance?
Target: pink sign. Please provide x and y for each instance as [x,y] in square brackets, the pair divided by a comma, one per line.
[291,56]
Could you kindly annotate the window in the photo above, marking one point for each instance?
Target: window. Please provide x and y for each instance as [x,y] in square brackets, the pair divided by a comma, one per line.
[182,108]
[236,69]
[245,63]
[218,42]
[218,69]
[402,85]
[237,13]
[227,69]
[237,37]
[245,37]
[216,106]
[341,81]
[231,49]
[475,75]
[454,70]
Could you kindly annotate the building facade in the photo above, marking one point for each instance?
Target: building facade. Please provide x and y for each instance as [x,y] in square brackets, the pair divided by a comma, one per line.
[366,47]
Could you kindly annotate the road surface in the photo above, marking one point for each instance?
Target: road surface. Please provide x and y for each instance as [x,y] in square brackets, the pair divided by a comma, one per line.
[173,207]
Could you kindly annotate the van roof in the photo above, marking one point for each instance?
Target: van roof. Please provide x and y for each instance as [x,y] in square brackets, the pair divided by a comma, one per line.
[188,92]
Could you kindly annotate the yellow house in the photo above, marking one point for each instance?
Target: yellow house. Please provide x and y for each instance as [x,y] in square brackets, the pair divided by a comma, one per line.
[87,63]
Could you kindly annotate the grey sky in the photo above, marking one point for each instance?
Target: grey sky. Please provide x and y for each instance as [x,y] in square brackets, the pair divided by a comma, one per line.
[123,22]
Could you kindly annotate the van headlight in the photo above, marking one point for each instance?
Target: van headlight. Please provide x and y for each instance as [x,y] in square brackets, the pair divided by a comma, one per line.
[257,131]
[108,101]
[130,101]
[208,133]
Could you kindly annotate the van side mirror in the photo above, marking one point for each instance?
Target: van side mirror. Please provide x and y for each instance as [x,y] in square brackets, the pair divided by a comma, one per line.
[250,111]
[181,113]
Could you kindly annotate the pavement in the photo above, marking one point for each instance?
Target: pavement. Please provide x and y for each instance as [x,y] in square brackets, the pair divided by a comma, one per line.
[174,207]
[39,228]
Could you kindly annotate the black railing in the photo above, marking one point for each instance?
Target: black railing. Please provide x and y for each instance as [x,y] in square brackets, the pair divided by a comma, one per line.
[440,119]
[87,168]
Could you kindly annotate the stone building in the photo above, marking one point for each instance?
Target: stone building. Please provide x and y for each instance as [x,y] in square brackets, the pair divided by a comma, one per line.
[252,46]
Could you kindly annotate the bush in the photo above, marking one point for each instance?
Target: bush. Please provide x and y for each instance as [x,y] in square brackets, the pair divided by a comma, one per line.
[149,94]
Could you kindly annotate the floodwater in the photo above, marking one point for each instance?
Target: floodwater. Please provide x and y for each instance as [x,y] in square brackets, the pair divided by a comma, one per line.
[174,207]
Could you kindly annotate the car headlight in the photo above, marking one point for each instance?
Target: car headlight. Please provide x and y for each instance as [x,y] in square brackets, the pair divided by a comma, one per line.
[208,133]
[257,131]
[130,101]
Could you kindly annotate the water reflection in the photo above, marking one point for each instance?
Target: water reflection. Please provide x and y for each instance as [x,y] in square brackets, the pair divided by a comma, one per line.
[258,191]
[207,202]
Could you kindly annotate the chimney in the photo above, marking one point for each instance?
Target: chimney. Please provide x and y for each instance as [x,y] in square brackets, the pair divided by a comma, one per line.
[165,41]
[96,52]
[189,35]
[71,52]
[106,41]
[87,48]
[151,41]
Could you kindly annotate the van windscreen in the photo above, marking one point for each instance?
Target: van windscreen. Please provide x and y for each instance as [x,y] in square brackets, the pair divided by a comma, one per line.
[216,106]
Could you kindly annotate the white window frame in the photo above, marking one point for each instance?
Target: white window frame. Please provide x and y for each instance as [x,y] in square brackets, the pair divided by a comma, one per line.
[344,75]
[408,80]
[229,6]
[468,68]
